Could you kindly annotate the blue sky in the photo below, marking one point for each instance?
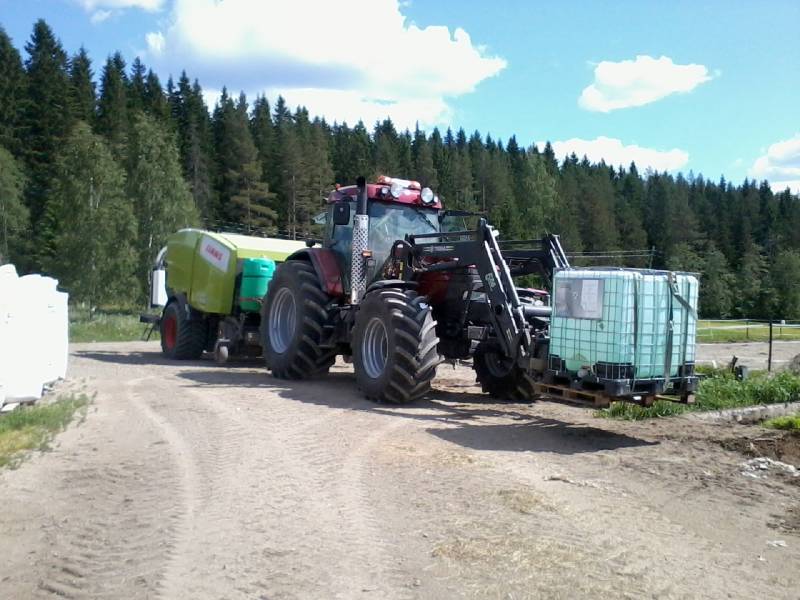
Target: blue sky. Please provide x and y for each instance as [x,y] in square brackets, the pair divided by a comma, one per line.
[712,87]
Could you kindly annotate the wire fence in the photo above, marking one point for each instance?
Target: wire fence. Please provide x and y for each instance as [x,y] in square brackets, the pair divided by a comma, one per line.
[771,342]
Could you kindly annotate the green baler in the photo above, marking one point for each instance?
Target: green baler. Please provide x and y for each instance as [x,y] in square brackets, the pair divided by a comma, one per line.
[211,286]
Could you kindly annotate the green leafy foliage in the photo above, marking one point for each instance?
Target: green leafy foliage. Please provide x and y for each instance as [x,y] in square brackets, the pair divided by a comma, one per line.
[13,213]
[718,392]
[92,221]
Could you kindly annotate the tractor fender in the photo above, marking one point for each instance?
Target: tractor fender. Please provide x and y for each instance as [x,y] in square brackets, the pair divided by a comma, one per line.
[326,267]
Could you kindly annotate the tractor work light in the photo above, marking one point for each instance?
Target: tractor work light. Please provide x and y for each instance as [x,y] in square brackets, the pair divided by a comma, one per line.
[397,188]
[427,196]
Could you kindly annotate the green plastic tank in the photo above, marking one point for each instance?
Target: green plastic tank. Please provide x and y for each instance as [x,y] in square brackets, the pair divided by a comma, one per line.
[624,323]
[256,275]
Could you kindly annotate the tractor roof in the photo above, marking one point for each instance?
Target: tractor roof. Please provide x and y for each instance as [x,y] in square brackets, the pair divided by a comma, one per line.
[381,191]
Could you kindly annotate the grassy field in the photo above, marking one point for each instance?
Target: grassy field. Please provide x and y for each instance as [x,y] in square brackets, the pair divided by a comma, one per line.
[716,393]
[105,326]
[32,428]
[709,332]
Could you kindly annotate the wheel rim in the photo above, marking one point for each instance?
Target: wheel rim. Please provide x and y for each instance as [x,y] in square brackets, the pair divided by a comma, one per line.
[170,331]
[282,320]
[375,348]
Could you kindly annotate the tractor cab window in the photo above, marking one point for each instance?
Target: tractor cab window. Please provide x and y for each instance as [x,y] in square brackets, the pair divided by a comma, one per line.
[391,222]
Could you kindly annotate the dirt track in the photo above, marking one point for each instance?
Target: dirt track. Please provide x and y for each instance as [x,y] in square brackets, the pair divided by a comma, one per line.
[194,481]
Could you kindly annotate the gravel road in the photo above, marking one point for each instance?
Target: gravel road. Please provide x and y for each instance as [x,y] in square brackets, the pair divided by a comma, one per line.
[188,480]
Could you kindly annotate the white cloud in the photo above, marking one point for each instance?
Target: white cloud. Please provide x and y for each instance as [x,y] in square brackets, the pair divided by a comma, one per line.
[615,153]
[345,60]
[638,82]
[99,16]
[780,165]
[148,5]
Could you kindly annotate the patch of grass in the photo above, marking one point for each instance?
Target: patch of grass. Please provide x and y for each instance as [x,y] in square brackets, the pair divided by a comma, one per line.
[32,427]
[788,423]
[717,393]
[105,326]
[737,331]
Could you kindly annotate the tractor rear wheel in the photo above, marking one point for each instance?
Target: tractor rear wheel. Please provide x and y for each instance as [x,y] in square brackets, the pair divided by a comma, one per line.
[181,338]
[501,377]
[395,346]
[292,323]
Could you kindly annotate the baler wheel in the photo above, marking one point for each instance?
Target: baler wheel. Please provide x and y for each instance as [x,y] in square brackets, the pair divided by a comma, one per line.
[181,338]
[293,318]
[395,346]
[501,377]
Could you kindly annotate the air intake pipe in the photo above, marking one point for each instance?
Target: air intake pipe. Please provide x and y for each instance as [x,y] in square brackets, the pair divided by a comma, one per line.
[358,274]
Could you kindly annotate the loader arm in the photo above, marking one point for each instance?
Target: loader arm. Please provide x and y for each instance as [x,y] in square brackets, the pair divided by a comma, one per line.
[480,248]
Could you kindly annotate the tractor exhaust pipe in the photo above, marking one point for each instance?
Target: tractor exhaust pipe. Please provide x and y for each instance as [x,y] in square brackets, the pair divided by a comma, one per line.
[358,275]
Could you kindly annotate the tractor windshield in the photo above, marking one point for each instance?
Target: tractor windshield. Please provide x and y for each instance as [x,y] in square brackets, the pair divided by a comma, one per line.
[391,222]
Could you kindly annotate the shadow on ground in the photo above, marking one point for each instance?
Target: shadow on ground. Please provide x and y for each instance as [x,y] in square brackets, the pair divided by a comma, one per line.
[463,418]
[539,434]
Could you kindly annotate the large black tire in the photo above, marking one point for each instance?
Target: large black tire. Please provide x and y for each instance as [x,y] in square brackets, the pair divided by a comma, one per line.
[293,318]
[182,338]
[501,377]
[394,346]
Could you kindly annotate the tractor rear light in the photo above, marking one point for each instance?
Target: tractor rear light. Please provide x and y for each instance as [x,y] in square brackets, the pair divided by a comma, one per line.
[427,196]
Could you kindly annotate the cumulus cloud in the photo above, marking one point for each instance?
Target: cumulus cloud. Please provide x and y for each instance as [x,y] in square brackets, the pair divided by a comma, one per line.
[99,16]
[638,82]
[148,5]
[780,165]
[614,152]
[345,60]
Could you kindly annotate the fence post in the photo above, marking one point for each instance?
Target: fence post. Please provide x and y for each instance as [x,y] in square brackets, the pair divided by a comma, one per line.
[769,356]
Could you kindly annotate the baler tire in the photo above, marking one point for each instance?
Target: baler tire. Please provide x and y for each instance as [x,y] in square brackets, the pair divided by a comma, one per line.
[181,338]
[404,371]
[502,381]
[303,357]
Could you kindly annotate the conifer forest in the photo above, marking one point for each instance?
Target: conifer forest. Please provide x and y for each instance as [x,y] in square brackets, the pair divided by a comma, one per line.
[99,162]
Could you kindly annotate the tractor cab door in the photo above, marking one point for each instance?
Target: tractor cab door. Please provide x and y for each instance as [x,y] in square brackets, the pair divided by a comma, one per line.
[339,238]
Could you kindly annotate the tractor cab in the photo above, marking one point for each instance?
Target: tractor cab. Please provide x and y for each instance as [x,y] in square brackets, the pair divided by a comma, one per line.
[395,207]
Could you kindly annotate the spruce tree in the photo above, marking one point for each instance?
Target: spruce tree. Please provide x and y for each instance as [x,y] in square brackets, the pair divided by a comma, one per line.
[112,108]
[93,226]
[12,95]
[82,93]
[47,117]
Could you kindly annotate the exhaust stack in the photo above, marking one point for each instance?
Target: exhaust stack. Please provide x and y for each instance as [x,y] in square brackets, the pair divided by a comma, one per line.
[358,275]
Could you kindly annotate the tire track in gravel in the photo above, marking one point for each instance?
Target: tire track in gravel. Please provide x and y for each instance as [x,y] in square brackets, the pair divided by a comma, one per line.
[123,516]
[276,495]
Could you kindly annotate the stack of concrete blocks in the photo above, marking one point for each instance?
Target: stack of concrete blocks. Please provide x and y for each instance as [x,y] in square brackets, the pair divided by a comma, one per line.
[34,335]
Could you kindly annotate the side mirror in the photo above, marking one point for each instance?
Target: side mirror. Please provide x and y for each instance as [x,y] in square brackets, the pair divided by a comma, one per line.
[341,213]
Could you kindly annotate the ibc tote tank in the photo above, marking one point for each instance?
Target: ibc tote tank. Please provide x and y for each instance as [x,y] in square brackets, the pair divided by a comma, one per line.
[623,323]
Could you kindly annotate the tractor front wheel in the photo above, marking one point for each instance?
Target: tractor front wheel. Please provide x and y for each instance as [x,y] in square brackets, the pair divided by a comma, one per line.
[501,377]
[292,323]
[182,338]
[394,346]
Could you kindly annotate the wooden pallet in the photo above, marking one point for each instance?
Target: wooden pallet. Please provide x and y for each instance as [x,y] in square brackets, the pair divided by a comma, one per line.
[597,399]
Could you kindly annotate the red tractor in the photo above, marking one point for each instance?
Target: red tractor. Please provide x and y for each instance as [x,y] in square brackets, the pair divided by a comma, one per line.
[399,284]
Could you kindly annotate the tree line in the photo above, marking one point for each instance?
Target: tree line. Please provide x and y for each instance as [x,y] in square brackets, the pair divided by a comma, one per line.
[95,175]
